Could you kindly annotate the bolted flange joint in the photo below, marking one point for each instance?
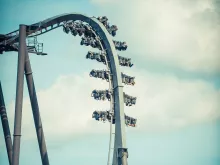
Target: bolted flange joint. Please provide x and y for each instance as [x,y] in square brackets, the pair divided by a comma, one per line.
[122,154]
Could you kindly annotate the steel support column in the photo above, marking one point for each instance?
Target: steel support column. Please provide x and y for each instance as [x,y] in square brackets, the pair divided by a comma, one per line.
[35,110]
[119,157]
[19,95]
[5,126]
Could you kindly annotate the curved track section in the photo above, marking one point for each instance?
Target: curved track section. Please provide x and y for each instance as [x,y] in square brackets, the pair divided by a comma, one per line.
[112,57]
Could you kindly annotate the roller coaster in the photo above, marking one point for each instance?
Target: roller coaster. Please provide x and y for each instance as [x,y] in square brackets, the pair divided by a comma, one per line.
[95,32]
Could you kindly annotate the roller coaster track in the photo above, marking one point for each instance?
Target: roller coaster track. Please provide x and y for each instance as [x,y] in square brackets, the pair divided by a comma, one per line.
[115,83]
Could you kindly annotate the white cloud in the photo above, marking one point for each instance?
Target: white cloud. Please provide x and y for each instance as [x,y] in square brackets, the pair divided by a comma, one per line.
[164,103]
[185,34]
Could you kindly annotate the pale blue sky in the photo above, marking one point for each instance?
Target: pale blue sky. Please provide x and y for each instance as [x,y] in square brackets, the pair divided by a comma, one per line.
[192,144]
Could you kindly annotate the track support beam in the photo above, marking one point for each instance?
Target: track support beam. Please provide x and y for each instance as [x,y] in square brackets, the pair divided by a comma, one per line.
[19,95]
[5,126]
[35,110]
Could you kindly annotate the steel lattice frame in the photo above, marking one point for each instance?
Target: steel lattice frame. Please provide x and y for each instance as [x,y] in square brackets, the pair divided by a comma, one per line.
[120,150]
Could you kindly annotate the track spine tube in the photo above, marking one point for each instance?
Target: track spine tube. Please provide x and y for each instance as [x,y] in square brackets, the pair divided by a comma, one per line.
[35,111]
[109,47]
